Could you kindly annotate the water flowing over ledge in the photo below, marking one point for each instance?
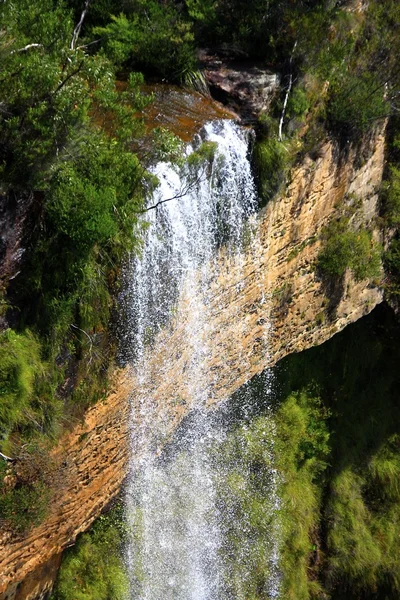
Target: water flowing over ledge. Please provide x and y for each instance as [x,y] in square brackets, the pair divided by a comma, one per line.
[173,501]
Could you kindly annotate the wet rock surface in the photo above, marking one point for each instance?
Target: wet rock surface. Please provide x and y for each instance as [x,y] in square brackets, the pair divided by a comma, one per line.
[181,111]
[246,88]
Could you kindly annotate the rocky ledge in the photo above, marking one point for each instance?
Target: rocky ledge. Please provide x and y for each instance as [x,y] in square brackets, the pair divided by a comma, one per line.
[276,282]
[246,88]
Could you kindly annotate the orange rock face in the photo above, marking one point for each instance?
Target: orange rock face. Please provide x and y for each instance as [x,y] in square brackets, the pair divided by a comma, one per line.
[275,283]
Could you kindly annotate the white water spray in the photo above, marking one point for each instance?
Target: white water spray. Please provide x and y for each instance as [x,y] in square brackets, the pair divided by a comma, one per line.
[175,550]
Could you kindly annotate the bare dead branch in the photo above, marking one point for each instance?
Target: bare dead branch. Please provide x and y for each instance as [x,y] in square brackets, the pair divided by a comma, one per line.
[89,338]
[78,28]
[287,94]
[26,48]
[180,194]
[7,458]
[89,44]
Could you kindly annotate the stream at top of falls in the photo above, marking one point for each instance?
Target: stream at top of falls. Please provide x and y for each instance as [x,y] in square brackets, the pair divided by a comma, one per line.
[183,528]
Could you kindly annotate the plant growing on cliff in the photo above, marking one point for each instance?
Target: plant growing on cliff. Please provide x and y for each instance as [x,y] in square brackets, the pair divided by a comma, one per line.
[20,366]
[25,487]
[94,569]
[271,159]
[355,103]
[345,249]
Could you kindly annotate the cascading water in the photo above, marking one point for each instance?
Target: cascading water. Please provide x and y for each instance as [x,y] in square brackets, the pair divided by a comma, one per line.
[172,500]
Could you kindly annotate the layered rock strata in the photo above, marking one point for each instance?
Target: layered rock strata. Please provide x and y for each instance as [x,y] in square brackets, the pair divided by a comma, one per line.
[267,305]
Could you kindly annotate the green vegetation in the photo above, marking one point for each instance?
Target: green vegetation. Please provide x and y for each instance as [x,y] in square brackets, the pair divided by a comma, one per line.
[391,192]
[246,498]
[295,443]
[353,553]
[66,134]
[152,36]
[345,249]
[93,569]
[25,488]
[353,105]
[19,365]
[392,263]
[270,159]
[333,435]
[391,212]
[302,449]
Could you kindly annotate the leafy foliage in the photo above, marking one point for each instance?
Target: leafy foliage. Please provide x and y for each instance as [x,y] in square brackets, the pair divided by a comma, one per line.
[302,448]
[66,140]
[354,553]
[20,363]
[25,487]
[152,36]
[271,159]
[93,569]
[356,102]
[347,249]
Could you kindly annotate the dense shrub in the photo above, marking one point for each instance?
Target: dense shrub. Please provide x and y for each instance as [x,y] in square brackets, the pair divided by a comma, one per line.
[354,554]
[93,569]
[270,159]
[24,506]
[152,36]
[25,487]
[345,249]
[20,365]
[302,450]
[355,103]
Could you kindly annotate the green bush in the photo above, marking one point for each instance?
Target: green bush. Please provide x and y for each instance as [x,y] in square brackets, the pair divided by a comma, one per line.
[391,196]
[298,103]
[25,487]
[346,249]
[93,569]
[20,365]
[270,159]
[67,135]
[355,103]
[302,448]
[151,36]
[363,512]
[354,550]
[24,506]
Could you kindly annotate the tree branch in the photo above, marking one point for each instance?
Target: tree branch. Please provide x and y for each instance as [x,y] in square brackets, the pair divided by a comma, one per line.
[89,44]
[89,338]
[78,28]
[26,48]
[180,194]
[7,458]
[72,74]
[287,94]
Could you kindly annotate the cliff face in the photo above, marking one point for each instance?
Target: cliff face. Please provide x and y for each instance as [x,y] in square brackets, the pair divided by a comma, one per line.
[274,283]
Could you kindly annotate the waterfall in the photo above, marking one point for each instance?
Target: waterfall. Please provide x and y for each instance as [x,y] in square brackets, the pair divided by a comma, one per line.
[173,506]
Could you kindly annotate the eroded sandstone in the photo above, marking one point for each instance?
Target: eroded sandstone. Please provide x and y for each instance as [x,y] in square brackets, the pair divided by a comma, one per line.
[275,283]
